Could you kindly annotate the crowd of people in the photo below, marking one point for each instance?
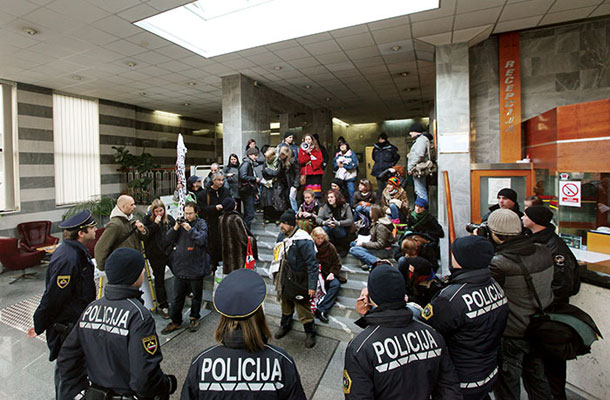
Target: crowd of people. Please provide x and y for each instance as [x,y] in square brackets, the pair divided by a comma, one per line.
[453,337]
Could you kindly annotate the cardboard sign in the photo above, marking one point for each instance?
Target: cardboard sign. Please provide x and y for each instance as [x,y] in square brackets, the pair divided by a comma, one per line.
[569,193]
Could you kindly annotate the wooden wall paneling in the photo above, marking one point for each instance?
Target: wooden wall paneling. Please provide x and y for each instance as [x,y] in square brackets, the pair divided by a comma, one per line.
[591,156]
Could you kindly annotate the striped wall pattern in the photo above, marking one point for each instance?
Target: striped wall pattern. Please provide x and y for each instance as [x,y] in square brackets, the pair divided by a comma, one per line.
[120,125]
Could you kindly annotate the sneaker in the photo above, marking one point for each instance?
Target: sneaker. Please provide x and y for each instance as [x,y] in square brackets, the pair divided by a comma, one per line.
[322,316]
[170,328]
[310,340]
[281,332]
[365,267]
[163,312]
[194,325]
[267,221]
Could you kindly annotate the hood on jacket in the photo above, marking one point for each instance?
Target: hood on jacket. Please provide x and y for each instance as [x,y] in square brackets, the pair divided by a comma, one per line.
[116,212]
[385,220]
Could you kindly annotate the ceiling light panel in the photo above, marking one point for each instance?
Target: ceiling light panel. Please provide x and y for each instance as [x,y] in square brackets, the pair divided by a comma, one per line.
[195,26]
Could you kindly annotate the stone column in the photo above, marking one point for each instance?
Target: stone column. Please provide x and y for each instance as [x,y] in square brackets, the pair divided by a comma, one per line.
[453,127]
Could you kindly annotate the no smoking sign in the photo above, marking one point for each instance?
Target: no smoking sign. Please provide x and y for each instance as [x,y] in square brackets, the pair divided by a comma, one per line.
[569,193]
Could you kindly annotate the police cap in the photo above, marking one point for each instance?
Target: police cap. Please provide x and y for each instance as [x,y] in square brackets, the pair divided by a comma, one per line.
[240,294]
[79,221]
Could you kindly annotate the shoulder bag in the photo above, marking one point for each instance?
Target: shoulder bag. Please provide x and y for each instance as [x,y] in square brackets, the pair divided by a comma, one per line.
[425,168]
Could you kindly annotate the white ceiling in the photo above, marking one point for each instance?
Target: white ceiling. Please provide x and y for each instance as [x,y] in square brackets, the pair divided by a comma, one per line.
[353,71]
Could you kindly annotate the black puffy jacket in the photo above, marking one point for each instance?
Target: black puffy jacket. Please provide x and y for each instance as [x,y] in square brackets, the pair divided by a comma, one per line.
[190,258]
[247,179]
[471,315]
[385,156]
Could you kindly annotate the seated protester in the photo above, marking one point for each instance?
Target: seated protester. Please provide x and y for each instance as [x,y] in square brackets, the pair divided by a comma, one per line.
[336,218]
[364,198]
[308,211]
[507,199]
[339,185]
[471,328]
[330,266]
[420,280]
[345,166]
[242,334]
[376,361]
[380,243]
[272,200]
[421,221]
[395,199]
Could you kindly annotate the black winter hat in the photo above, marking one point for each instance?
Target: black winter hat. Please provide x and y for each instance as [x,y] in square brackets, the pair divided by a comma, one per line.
[289,217]
[124,266]
[228,204]
[508,193]
[383,136]
[472,252]
[422,266]
[288,133]
[539,215]
[416,127]
[386,285]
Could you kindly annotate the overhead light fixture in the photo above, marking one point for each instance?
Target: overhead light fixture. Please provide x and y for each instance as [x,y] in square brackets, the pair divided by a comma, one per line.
[274,125]
[396,48]
[131,64]
[403,74]
[30,31]
[409,89]
[328,99]
[195,26]
[77,77]
[142,93]
[187,104]
[277,68]
[201,132]
[339,122]
[191,83]
[166,114]
[307,86]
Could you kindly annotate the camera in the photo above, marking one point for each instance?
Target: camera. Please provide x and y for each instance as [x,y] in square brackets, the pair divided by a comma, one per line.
[304,146]
[180,220]
[482,229]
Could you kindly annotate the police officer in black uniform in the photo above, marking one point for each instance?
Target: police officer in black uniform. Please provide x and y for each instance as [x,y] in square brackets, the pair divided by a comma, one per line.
[242,365]
[114,344]
[69,285]
[471,315]
[396,356]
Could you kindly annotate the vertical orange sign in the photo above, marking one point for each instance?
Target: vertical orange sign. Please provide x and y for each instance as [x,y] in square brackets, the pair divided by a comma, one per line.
[510,97]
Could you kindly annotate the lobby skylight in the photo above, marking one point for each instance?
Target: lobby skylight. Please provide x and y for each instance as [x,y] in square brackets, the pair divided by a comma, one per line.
[214,27]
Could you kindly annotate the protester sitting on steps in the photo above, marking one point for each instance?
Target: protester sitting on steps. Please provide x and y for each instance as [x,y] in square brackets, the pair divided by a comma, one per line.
[308,211]
[330,266]
[379,245]
[336,218]
[394,198]
[421,221]
[364,198]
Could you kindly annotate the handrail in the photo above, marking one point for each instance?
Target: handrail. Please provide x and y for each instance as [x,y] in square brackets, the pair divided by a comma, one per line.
[449,207]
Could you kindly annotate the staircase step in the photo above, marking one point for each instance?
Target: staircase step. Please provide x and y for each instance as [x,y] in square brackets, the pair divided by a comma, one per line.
[351,271]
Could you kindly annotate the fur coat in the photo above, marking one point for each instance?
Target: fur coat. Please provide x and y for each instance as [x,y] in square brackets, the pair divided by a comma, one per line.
[234,239]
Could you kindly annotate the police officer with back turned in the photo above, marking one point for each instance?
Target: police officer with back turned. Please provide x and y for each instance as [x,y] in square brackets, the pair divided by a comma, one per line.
[114,345]
[69,285]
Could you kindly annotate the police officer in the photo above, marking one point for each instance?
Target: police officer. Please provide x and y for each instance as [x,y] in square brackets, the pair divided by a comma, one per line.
[471,315]
[114,344]
[396,357]
[69,284]
[243,365]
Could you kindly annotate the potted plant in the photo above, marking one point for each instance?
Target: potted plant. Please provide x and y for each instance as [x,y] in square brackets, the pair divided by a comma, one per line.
[141,167]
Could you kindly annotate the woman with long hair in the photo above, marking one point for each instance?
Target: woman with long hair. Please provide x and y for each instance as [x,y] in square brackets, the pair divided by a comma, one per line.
[310,161]
[336,218]
[289,175]
[231,171]
[346,168]
[380,244]
[364,198]
[158,222]
[273,199]
[242,357]
[308,211]
[330,267]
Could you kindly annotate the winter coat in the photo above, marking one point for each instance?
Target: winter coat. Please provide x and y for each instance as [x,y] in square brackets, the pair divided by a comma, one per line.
[311,163]
[329,261]
[385,156]
[314,211]
[293,147]
[350,165]
[301,258]
[190,259]
[497,207]
[274,193]
[210,200]
[566,277]
[119,232]
[505,269]
[418,152]
[371,197]
[247,179]
[234,239]
[381,234]
[400,195]
[156,242]
[425,224]
[471,315]
[232,181]
[345,217]
[398,357]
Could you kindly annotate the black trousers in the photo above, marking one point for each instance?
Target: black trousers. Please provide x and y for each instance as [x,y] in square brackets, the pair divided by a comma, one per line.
[182,287]
[157,264]
[555,372]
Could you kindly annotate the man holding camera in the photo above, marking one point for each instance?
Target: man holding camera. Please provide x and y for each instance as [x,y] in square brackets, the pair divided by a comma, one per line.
[517,257]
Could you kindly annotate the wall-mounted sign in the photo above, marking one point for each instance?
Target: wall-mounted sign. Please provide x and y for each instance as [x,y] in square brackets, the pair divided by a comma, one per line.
[510,97]
[569,193]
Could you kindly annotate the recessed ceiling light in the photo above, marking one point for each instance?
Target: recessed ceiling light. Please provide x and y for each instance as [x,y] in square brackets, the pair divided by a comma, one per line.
[142,93]
[131,64]
[187,104]
[404,73]
[77,77]
[328,99]
[30,31]
[277,68]
[307,86]
[396,48]
[191,83]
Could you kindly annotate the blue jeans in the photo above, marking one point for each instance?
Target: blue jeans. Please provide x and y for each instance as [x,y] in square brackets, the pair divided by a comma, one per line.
[294,205]
[362,254]
[330,297]
[419,184]
[337,232]
[248,209]
[394,211]
[364,210]
[351,188]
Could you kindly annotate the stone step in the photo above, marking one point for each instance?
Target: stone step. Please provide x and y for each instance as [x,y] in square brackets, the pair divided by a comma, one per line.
[351,271]
[265,254]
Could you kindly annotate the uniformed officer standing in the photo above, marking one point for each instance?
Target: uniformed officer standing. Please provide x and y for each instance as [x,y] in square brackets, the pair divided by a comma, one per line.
[114,345]
[471,315]
[396,356]
[243,365]
[69,284]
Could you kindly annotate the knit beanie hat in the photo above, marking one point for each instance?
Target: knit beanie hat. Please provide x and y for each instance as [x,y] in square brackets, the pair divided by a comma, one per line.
[383,136]
[421,202]
[228,204]
[289,217]
[394,181]
[288,133]
[386,285]
[504,222]
[472,252]
[508,193]
[416,127]
[539,215]
[124,266]
[192,179]
[251,151]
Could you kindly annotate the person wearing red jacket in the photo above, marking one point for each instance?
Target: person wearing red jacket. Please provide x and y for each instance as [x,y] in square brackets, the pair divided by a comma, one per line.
[310,161]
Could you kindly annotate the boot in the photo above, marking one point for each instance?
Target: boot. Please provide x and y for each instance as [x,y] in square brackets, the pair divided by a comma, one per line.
[342,246]
[285,326]
[310,335]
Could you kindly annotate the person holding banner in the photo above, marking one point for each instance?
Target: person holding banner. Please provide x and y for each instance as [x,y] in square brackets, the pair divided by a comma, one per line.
[235,238]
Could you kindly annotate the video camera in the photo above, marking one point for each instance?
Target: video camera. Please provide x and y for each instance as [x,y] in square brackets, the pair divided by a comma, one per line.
[482,229]
[180,220]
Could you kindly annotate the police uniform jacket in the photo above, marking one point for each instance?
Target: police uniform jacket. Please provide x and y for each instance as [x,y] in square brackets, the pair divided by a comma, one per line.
[301,258]
[506,271]
[189,259]
[69,288]
[115,345]
[471,315]
[398,357]
[229,371]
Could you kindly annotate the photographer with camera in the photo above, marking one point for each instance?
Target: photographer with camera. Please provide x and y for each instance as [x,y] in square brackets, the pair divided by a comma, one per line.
[517,260]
